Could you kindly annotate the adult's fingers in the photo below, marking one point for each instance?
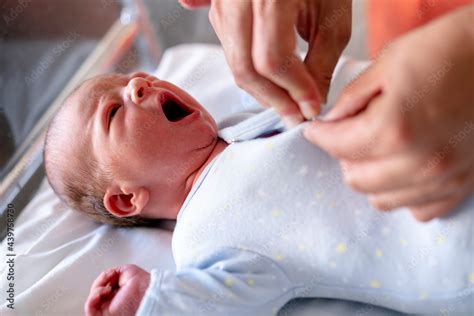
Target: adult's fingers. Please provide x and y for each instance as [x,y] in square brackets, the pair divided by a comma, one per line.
[393,172]
[233,25]
[421,194]
[462,186]
[353,126]
[373,176]
[321,67]
[440,208]
[274,22]
[357,95]
[192,4]
[342,140]
[354,138]
[402,169]
[326,46]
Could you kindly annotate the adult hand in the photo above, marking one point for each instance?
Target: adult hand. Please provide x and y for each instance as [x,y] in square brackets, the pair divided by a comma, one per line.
[259,40]
[117,291]
[404,130]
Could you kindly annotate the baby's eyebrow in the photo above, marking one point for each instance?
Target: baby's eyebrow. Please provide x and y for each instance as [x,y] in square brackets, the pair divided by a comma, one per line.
[99,92]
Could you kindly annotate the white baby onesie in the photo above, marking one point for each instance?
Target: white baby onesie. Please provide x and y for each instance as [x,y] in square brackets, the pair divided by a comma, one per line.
[270,219]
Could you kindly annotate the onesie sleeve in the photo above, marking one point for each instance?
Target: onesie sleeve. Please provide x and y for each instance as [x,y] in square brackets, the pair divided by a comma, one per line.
[231,282]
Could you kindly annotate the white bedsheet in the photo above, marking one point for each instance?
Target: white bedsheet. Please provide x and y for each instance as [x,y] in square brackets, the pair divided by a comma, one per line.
[60,252]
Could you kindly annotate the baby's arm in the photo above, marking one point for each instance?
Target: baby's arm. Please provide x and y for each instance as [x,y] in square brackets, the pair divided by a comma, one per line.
[228,281]
[117,291]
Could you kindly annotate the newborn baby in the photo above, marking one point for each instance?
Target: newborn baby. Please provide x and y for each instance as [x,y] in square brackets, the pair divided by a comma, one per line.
[126,149]
[263,216]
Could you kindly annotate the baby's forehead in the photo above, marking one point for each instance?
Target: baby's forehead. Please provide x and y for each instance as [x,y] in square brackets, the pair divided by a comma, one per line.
[105,82]
[80,105]
[101,83]
[91,90]
[88,93]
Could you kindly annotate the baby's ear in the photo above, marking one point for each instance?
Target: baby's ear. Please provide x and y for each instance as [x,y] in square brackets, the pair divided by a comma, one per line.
[127,201]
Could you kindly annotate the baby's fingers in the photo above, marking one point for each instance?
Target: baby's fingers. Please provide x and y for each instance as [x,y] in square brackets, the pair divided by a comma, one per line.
[96,298]
[109,276]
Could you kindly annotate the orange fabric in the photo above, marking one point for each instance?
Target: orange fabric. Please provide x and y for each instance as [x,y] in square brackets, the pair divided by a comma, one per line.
[387,19]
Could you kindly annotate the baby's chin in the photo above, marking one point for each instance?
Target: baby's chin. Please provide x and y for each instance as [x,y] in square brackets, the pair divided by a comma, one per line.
[211,142]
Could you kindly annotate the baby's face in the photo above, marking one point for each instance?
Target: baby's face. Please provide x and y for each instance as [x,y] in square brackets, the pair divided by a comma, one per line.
[147,132]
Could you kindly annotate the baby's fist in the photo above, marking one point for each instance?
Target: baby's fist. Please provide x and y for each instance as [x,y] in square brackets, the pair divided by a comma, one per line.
[117,291]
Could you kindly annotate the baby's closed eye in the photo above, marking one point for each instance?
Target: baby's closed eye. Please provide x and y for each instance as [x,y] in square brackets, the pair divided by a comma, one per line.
[113,110]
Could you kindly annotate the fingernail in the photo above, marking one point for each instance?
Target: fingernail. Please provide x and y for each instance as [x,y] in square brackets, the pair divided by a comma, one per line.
[292,120]
[309,109]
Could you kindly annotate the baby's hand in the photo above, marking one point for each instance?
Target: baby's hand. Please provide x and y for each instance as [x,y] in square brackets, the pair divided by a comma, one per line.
[117,291]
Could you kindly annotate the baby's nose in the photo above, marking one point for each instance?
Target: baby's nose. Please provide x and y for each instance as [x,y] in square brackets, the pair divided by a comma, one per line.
[137,90]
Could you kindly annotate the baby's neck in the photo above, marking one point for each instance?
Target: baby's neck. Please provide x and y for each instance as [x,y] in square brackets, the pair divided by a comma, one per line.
[219,146]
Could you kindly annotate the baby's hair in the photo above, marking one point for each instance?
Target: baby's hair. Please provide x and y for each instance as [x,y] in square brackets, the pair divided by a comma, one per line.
[82,184]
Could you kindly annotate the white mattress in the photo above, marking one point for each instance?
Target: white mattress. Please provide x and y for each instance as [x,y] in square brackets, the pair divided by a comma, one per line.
[60,252]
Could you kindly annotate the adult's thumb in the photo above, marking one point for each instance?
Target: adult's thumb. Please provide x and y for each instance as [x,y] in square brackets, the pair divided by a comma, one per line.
[321,63]
[356,96]
[327,40]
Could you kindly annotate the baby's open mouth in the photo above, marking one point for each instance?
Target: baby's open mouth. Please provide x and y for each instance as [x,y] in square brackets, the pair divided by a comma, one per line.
[174,109]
